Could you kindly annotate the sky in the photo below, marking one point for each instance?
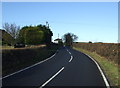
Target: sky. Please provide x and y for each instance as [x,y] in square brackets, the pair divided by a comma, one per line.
[90,21]
[60,0]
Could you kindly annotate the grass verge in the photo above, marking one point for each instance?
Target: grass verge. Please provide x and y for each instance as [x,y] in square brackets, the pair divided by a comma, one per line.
[110,69]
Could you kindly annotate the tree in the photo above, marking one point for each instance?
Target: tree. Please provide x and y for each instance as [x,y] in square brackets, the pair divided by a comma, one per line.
[12,29]
[69,38]
[35,35]
[6,38]
[31,35]
[90,42]
[47,33]
[36,38]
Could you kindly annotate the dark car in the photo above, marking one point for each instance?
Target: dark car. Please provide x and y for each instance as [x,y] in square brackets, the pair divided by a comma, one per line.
[19,45]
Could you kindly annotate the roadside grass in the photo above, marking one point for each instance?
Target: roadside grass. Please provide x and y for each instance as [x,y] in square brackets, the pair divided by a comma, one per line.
[5,47]
[109,68]
[17,59]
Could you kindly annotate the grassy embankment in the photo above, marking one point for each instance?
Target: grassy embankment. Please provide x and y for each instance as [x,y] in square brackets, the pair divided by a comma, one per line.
[110,67]
[19,58]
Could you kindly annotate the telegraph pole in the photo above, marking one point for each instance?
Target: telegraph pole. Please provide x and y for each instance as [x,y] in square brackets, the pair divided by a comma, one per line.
[47,24]
[58,35]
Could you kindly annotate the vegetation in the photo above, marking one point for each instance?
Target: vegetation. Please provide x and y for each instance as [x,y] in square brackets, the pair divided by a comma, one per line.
[69,38]
[36,38]
[40,34]
[7,39]
[107,50]
[30,35]
[12,29]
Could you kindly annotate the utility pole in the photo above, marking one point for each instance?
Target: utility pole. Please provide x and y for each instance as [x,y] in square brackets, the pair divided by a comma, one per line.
[58,35]
[47,24]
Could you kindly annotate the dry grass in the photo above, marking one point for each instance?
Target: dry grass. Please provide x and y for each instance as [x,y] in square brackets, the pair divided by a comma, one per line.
[27,47]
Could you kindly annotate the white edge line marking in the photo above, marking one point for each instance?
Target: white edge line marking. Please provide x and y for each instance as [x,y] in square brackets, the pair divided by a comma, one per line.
[52,77]
[71,59]
[28,67]
[104,78]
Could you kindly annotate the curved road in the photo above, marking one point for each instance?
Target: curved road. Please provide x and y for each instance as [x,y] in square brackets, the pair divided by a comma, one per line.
[67,67]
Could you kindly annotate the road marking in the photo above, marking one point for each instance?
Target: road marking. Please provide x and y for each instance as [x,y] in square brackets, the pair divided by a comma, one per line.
[28,67]
[70,53]
[67,50]
[103,75]
[71,59]
[52,77]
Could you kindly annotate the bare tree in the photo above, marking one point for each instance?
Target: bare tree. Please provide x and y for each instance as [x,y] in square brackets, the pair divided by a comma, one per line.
[12,29]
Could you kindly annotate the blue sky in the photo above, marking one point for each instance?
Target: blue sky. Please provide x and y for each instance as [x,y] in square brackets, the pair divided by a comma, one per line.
[90,21]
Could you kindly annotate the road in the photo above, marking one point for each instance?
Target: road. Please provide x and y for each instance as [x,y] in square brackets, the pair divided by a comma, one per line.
[67,67]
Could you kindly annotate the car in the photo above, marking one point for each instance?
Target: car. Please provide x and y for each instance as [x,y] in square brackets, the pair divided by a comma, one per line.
[19,45]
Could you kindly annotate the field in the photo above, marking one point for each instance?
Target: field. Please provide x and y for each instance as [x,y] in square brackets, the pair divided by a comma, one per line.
[106,54]
[16,59]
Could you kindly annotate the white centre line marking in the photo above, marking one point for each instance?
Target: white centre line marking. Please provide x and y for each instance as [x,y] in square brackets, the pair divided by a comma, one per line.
[52,77]
[71,59]
[70,53]
[67,50]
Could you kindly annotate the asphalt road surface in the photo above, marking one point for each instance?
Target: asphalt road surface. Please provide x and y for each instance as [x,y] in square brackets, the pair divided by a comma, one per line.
[66,68]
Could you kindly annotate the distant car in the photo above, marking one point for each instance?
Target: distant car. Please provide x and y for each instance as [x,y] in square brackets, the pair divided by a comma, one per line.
[19,45]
